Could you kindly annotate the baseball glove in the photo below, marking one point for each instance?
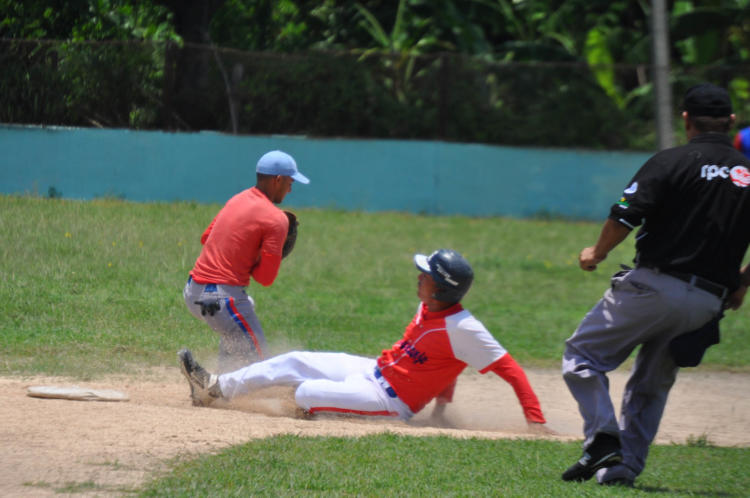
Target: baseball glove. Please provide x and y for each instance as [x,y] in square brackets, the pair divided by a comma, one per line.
[291,235]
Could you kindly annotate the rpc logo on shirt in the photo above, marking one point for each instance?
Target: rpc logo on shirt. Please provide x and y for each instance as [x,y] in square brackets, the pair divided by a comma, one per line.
[739,174]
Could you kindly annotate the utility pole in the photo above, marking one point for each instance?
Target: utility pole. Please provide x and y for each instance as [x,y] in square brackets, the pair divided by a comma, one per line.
[662,87]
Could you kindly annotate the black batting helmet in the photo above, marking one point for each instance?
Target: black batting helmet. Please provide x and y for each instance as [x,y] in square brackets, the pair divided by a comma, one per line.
[451,272]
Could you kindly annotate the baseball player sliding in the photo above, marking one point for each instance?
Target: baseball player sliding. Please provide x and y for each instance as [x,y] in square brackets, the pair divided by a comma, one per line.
[247,239]
[441,340]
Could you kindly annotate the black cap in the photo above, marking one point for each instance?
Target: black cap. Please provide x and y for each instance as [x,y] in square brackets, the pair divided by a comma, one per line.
[707,100]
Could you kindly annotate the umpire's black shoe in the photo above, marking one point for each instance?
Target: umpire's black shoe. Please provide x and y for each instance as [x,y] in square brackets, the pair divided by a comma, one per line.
[604,451]
[623,482]
[204,387]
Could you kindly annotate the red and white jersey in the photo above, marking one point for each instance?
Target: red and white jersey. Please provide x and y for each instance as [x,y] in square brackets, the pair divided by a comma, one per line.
[435,349]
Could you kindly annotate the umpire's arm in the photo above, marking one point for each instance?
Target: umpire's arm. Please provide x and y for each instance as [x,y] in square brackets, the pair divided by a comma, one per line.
[613,232]
[735,299]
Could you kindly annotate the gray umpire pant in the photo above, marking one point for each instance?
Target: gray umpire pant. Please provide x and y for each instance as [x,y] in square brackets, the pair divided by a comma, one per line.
[230,312]
[642,307]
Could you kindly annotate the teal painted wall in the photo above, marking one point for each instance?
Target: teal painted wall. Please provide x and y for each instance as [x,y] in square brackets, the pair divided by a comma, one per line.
[368,175]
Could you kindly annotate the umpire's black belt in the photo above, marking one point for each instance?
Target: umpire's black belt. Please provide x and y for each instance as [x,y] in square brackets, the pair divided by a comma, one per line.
[388,389]
[717,290]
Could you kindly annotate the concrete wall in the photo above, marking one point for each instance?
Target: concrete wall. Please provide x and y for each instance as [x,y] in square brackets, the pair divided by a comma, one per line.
[368,175]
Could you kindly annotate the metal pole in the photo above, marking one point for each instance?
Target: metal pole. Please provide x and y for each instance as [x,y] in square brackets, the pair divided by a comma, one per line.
[662,88]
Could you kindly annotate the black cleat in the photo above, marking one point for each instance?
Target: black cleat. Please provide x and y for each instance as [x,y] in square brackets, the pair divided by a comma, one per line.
[204,387]
[603,452]
[619,481]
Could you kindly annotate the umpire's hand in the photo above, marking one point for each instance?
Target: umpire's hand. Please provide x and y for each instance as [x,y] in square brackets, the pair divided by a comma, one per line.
[588,259]
[735,299]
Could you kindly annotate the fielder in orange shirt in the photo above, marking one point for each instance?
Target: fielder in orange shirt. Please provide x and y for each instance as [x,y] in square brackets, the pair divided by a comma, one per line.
[243,242]
[442,339]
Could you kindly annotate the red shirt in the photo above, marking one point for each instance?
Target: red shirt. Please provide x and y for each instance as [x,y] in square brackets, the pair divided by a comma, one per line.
[435,349]
[243,240]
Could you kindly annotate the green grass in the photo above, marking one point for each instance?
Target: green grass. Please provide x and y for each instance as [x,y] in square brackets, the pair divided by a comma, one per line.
[95,288]
[391,465]
[88,288]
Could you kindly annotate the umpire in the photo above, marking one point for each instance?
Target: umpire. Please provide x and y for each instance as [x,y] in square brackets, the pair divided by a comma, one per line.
[692,204]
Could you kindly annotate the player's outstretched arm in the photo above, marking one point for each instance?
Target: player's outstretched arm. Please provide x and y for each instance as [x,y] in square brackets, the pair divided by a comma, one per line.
[511,372]
[437,417]
[441,401]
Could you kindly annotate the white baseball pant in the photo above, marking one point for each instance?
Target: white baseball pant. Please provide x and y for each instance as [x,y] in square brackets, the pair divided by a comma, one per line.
[326,382]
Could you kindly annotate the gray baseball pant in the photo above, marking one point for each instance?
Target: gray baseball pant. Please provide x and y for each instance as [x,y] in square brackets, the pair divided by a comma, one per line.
[230,312]
[642,307]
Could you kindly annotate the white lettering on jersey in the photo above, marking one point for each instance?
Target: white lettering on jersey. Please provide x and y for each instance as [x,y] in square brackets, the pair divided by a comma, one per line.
[739,175]
[632,188]
[711,171]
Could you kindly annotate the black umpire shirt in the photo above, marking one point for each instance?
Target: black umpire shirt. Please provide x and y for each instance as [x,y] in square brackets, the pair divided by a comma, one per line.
[694,204]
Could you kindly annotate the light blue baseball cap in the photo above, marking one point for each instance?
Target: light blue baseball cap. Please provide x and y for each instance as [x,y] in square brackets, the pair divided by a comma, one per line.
[280,163]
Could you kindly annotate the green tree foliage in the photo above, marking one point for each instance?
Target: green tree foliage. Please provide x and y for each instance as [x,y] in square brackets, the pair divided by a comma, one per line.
[715,34]
[702,31]
[53,19]
[273,25]
[86,20]
[399,46]
[65,79]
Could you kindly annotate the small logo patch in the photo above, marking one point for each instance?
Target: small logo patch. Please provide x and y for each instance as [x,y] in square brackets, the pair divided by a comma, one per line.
[740,176]
[447,276]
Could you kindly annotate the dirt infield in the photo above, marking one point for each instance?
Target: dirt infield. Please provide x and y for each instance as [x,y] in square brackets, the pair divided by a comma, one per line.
[54,446]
